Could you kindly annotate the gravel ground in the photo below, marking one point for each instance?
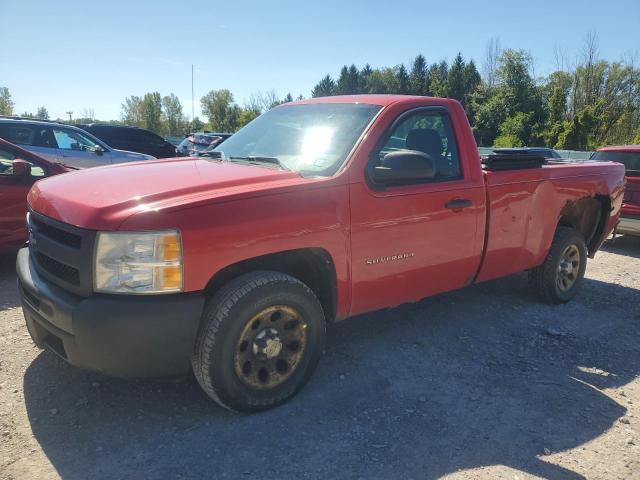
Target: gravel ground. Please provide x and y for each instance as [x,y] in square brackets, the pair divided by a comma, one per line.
[481,383]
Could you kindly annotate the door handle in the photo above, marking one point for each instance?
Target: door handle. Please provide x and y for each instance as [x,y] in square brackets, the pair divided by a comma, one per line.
[458,204]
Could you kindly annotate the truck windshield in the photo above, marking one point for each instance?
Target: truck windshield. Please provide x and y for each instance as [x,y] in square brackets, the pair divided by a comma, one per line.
[630,160]
[312,139]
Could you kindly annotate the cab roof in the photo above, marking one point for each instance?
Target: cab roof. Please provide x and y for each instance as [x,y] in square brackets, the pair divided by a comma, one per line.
[373,99]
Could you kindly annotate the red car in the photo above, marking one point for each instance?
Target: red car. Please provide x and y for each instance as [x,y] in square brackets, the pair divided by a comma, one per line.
[232,265]
[19,170]
[629,155]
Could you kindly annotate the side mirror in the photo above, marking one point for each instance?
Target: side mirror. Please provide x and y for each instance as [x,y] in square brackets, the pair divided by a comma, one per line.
[21,169]
[98,150]
[404,166]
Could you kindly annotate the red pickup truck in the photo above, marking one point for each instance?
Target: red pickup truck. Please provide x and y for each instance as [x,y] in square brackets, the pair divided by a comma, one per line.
[232,265]
[629,156]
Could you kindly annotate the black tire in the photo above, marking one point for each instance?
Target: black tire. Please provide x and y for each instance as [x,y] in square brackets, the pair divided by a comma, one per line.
[224,324]
[546,279]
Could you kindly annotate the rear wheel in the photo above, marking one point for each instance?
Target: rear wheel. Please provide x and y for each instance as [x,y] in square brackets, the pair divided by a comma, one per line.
[260,340]
[559,278]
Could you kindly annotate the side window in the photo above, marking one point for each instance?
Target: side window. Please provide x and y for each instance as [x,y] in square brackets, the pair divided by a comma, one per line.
[430,132]
[6,165]
[72,140]
[33,135]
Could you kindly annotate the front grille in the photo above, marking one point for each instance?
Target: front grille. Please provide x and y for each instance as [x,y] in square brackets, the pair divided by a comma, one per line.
[60,236]
[62,253]
[58,269]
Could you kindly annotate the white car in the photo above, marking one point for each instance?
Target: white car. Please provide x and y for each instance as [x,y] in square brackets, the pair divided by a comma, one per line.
[63,143]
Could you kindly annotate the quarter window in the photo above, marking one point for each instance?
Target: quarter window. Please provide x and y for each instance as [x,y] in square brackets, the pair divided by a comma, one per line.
[430,132]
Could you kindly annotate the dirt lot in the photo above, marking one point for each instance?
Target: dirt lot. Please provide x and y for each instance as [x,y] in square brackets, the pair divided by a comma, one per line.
[481,383]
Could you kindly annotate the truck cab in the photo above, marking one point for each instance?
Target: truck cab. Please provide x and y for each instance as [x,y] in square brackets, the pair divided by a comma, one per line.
[232,265]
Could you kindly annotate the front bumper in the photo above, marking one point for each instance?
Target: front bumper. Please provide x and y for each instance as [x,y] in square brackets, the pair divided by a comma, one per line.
[118,335]
[628,226]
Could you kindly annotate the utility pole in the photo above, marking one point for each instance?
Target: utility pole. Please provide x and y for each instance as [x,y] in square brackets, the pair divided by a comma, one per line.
[192,101]
[70,114]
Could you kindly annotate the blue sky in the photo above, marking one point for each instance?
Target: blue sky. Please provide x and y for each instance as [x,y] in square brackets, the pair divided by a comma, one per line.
[74,55]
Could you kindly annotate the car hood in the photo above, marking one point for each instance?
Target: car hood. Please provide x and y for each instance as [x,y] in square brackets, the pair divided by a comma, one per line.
[102,198]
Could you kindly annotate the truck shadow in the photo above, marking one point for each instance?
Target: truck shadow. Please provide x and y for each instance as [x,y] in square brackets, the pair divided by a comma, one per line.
[478,377]
[627,245]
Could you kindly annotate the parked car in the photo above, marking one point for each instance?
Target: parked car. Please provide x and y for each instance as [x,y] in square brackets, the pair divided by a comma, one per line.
[63,143]
[629,156]
[196,143]
[19,170]
[317,212]
[544,151]
[133,139]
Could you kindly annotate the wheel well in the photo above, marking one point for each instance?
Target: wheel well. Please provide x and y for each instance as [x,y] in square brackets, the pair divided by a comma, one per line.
[589,217]
[312,266]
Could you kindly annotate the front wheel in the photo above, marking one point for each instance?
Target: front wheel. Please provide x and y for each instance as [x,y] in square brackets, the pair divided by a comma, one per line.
[260,340]
[558,279]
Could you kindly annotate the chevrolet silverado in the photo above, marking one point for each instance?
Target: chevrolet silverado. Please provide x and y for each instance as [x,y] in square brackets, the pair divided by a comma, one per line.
[232,265]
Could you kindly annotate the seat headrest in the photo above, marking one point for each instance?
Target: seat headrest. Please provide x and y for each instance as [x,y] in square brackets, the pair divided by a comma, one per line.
[425,140]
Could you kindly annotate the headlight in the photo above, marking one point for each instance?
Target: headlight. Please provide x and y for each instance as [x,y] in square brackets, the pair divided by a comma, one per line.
[143,263]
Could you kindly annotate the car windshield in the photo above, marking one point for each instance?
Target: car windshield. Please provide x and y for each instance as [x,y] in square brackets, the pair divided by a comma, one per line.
[630,160]
[311,139]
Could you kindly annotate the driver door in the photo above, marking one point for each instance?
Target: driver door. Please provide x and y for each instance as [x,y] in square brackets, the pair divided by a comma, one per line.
[421,237]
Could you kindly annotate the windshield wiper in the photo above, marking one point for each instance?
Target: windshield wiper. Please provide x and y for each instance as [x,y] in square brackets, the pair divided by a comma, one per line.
[260,159]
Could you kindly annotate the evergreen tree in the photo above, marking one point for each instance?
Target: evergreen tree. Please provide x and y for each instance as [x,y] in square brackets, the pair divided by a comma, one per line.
[456,87]
[324,88]
[418,84]
[402,78]
[365,73]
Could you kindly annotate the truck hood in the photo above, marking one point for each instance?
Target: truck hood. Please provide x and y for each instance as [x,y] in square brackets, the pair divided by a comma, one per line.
[102,198]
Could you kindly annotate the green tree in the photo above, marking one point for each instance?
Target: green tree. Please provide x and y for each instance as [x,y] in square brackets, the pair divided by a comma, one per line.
[456,87]
[515,131]
[42,113]
[172,115]
[514,97]
[437,78]
[151,112]
[223,114]
[349,81]
[131,113]
[365,73]
[402,77]
[418,84]
[324,88]
[246,116]
[6,103]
